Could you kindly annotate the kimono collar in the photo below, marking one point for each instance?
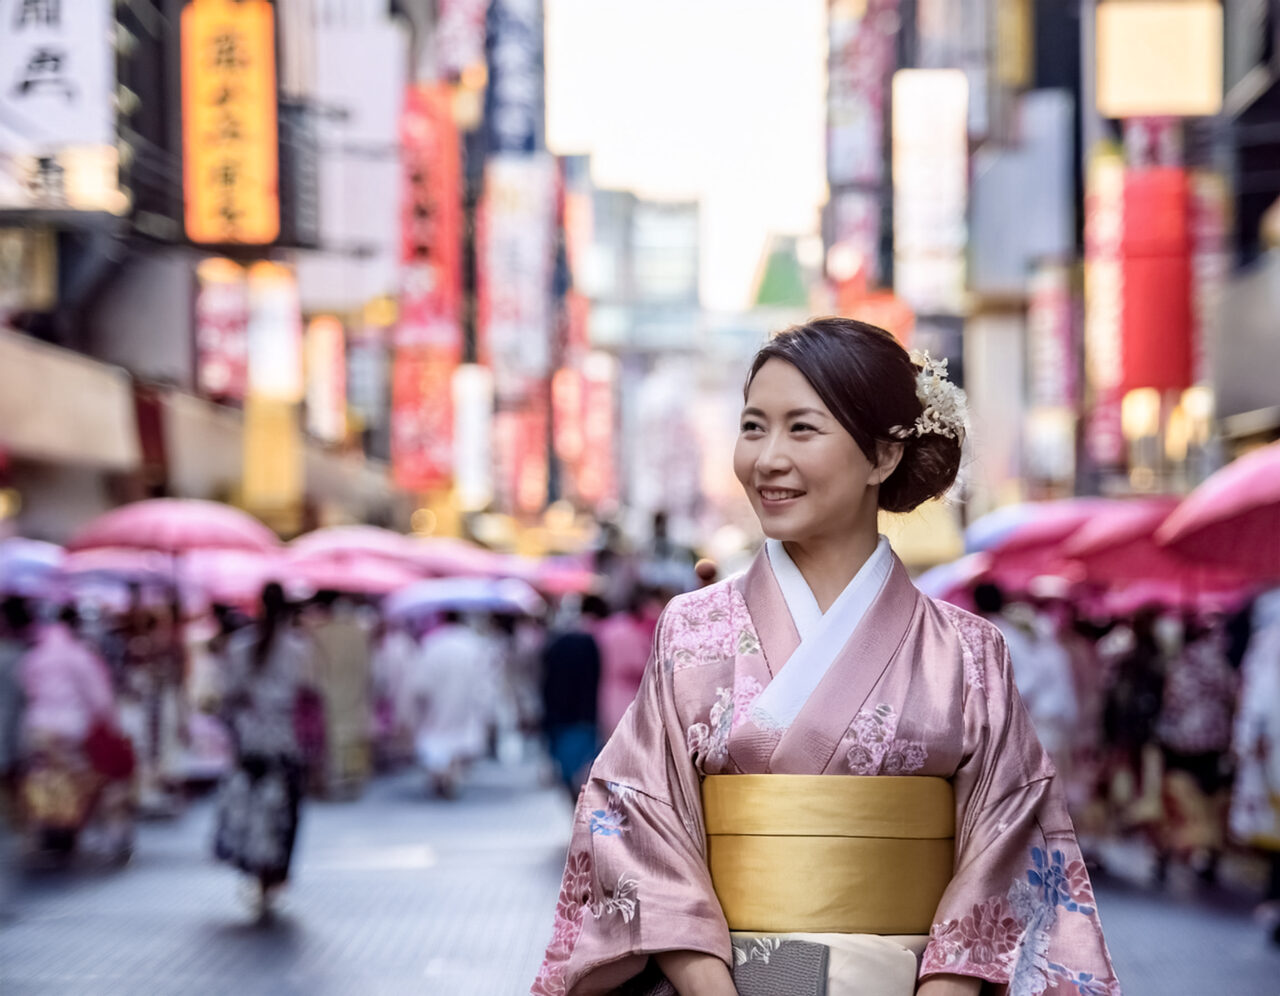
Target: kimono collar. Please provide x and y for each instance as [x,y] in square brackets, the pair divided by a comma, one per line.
[821,639]
[852,603]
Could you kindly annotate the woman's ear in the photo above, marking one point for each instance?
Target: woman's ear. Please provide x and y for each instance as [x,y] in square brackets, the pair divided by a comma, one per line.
[888,456]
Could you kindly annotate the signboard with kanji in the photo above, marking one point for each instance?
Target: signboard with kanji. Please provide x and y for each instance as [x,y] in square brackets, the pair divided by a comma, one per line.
[229,127]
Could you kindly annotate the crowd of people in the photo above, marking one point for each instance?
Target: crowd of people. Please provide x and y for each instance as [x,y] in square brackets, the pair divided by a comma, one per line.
[1164,724]
[111,713]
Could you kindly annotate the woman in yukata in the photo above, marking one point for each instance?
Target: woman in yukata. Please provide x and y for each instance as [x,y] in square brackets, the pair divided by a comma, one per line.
[708,854]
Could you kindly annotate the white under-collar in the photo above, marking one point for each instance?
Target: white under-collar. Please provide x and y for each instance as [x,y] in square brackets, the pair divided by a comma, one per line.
[852,603]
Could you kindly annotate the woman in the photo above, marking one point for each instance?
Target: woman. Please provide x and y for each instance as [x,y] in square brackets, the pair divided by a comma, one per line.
[823,659]
[258,807]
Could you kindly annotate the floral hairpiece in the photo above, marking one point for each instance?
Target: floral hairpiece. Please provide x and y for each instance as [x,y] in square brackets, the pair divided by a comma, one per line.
[946,410]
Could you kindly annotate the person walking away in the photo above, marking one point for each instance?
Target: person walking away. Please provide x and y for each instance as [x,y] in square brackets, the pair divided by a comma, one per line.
[449,701]
[570,695]
[15,640]
[1254,816]
[1194,731]
[343,648]
[68,727]
[624,645]
[258,804]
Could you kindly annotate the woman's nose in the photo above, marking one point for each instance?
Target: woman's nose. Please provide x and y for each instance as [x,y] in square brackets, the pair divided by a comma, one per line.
[774,454]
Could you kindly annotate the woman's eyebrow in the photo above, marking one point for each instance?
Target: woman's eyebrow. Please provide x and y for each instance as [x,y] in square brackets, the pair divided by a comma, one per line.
[794,413]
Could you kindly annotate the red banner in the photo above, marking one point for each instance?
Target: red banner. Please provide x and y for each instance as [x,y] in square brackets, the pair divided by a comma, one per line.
[422,417]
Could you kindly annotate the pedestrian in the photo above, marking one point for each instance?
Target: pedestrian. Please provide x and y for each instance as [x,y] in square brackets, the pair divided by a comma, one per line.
[624,649]
[15,640]
[1254,817]
[823,658]
[570,694]
[343,647]
[449,696]
[258,804]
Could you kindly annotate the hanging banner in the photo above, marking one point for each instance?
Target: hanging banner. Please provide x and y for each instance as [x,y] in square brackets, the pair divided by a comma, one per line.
[514,111]
[1051,358]
[520,458]
[930,188]
[326,398]
[597,476]
[516,264]
[369,376]
[57,106]
[1210,265]
[459,35]
[430,223]
[222,329]
[1104,304]
[473,436]
[230,141]
[274,333]
[422,417]
[862,36]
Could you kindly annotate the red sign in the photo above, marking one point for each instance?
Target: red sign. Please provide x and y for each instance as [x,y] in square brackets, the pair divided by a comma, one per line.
[430,222]
[1156,249]
[222,329]
[422,417]
[597,477]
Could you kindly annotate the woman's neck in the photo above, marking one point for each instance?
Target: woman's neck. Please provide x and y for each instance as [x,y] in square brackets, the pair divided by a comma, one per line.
[829,564]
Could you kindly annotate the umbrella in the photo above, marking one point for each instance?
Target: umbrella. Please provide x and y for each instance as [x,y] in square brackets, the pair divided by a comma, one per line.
[175,526]
[953,582]
[27,566]
[1033,546]
[464,595]
[366,576]
[443,556]
[339,543]
[1233,518]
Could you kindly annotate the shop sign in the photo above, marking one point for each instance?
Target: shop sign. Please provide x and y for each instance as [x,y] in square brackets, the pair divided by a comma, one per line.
[430,223]
[1104,224]
[1159,57]
[230,140]
[222,329]
[930,188]
[422,417]
[516,265]
[368,375]
[326,398]
[473,436]
[1051,357]
[597,477]
[57,106]
[459,35]
[275,333]
[862,40]
[514,98]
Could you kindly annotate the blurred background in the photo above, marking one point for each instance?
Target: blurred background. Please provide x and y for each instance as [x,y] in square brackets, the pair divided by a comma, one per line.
[436,313]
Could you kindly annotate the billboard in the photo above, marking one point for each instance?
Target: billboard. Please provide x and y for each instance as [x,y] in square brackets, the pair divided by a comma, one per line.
[57,106]
[230,141]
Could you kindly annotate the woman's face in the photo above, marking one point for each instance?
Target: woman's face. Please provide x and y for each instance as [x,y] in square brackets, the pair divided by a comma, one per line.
[805,476]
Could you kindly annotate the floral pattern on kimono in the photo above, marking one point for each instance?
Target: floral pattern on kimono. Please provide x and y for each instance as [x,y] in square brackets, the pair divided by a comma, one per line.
[705,628]
[1009,935]
[875,750]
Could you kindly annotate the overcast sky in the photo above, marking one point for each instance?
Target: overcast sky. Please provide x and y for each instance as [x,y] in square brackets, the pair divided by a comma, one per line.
[722,100]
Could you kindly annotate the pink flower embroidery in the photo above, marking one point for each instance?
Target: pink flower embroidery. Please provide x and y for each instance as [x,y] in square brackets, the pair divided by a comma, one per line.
[746,690]
[986,939]
[705,626]
[571,906]
[973,632]
[875,751]
[709,742]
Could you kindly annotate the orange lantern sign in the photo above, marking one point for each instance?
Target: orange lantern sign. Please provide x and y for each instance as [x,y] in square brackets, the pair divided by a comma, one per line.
[229,134]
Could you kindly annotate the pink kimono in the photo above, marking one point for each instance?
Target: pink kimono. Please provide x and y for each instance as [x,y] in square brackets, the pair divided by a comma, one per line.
[919,687]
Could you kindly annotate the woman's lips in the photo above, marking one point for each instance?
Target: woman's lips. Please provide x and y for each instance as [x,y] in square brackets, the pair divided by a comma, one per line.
[778,497]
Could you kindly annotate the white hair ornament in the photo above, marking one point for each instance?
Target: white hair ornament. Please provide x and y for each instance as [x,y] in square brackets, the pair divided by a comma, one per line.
[946,409]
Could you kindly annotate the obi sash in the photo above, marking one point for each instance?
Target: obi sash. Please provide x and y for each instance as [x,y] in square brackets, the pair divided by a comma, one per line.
[829,853]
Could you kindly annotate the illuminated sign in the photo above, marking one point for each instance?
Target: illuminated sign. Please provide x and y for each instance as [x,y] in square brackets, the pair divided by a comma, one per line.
[229,134]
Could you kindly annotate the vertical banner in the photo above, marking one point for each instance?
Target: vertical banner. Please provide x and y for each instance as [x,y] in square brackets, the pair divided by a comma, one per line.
[272,483]
[326,397]
[230,141]
[222,330]
[597,472]
[514,112]
[428,338]
[930,188]
[516,264]
[1104,306]
[459,35]
[1051,355]
[1210,265]
[274,333]
[57,106]
[473,436]
[862,40]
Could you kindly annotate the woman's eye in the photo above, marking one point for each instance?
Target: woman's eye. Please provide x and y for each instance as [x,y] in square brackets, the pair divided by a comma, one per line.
[749,426]
[803,427]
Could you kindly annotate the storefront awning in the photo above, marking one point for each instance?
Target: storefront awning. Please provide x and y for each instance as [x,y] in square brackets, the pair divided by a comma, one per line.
[57,406]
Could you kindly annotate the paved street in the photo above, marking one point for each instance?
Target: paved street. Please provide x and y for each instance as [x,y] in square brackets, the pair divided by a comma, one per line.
[399,894]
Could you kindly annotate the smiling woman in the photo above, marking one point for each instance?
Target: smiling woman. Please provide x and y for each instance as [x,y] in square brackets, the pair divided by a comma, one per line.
[706,857]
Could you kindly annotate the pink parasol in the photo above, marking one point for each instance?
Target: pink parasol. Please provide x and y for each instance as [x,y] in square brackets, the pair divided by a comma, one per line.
[366,576]
[339,543]
[175,526]
[954,582]
[1233,518]
[1034,546]
[444,556]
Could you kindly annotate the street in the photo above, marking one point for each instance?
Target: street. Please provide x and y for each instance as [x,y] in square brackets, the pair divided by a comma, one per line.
[397,893]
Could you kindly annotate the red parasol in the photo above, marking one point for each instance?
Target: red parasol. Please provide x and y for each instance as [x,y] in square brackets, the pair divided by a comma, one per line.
[1233,518]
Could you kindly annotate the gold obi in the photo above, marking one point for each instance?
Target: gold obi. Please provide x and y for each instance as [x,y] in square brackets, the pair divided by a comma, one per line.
[829,853]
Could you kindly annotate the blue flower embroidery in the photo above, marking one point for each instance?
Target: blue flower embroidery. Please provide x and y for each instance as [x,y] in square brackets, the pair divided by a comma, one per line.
[608,822]
[1086,983]
[1052,879]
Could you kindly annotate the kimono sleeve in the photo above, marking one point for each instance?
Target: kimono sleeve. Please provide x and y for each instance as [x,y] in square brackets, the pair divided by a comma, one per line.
[636,880]
[1019,910]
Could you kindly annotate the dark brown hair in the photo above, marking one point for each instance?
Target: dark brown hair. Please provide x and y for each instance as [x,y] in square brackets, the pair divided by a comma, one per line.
[868,382]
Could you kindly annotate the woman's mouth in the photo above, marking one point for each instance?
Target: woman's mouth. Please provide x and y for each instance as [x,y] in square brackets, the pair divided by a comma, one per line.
[774,497]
